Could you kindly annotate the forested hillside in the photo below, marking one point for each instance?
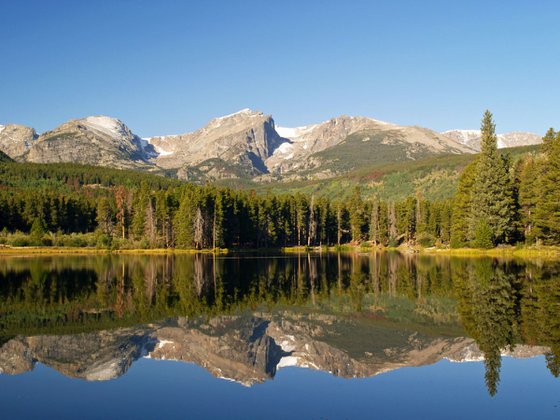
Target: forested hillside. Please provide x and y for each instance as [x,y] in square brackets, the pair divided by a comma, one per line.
[499,200]
[434,177]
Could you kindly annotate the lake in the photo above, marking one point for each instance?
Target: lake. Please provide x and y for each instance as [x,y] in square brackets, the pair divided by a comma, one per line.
[279,336]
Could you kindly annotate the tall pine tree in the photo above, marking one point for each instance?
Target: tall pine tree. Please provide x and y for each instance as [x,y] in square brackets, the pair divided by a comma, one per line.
[492,195]
[547,212]
[462,207]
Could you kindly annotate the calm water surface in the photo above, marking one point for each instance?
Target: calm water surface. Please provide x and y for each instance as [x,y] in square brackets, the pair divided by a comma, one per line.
[279,336]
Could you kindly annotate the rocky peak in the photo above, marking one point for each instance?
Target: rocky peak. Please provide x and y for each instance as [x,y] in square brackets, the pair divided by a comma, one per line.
[15,140]
[95,140]
[471,138]
[238,116]
[107,125]
[239,142]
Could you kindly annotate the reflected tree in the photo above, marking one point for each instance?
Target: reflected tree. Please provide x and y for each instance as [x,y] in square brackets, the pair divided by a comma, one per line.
[487,302]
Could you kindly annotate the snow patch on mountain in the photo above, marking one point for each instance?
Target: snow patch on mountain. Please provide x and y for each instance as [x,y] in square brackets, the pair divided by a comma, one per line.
[464,136]
[380,122]
[162,152]
[286,150]
[244,112]
[159,150]
[108,125]
[2,127]
[293,133]
[472,138]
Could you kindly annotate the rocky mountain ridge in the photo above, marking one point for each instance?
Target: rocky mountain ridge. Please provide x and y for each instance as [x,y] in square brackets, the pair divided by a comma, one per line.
[471,138]
[243,145]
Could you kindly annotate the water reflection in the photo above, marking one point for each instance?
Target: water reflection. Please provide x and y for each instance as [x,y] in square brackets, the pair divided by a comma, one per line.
[244,317]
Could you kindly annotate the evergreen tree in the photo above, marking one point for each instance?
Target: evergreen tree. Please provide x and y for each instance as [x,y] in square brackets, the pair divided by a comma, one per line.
[183,223]
[357,217]
[492,194]
[105,217]
[374,222]
[548,140]
[462,207]
[528,191]
[547,211]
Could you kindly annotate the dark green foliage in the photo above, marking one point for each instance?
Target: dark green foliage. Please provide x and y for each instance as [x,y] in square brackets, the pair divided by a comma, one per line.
[357,216]
[426,239]
[483,235]
[549,139]
[492,197]
[487,303]
[462,207]
[547,209]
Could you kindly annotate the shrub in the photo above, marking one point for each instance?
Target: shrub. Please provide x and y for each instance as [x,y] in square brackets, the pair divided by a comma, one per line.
[393,243]
[426,240]
[483,236]
[103,241]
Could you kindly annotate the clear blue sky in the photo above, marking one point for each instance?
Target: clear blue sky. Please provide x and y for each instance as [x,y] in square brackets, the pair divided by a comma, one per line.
[167,67]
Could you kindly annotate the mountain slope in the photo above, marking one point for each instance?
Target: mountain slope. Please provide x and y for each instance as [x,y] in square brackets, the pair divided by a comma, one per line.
[97,140]
[345,143]
[434,176]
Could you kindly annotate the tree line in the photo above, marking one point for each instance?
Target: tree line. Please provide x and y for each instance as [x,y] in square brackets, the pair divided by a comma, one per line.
[497,202]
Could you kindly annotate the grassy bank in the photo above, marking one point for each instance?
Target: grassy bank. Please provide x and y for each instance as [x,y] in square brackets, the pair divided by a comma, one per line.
[552,252]
[519,252]
[503,251]
[48,250]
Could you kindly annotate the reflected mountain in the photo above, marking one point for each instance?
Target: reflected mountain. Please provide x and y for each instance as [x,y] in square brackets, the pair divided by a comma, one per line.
[94,357]
[244,317]
[247,349]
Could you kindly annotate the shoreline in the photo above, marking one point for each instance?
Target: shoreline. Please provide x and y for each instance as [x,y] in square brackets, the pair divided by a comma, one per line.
[518,252]
[552,252]
[46,250]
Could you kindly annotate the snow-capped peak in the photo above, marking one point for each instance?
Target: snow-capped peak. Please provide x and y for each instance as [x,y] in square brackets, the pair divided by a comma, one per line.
[108,125]
[471,138]
[463,133]
[244,111]
[459,130]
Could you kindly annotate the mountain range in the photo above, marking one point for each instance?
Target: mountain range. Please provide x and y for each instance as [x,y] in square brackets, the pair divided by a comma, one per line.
[244,145]
[247,349]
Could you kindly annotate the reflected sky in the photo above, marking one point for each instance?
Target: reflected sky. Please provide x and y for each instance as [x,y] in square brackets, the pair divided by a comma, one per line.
[157,389]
